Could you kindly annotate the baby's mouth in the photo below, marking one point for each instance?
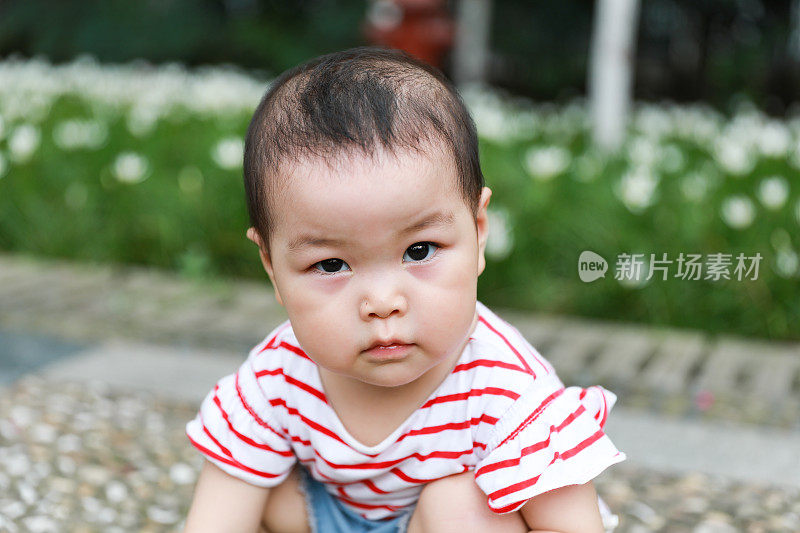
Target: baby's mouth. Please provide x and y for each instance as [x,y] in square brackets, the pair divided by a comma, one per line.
[388,350]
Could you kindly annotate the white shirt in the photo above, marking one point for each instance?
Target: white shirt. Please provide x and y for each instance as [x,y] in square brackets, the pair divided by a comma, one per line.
[502,412]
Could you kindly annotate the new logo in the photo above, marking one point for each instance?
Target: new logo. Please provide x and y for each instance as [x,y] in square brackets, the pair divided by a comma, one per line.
[591,266]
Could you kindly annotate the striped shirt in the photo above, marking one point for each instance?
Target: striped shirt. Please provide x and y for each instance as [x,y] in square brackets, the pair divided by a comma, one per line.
[502,412]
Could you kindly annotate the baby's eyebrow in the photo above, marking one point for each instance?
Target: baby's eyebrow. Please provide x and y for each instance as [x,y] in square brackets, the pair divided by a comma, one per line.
[439,218]
[304,241]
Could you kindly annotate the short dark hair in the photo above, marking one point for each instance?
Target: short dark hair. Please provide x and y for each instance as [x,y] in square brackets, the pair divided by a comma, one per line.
[359,99]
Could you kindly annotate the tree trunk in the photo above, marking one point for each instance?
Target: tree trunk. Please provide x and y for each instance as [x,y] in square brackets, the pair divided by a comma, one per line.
[794,35]
[471,50]
[611,69]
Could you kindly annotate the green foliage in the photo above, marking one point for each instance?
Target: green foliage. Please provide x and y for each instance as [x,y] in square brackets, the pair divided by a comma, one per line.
[82,177]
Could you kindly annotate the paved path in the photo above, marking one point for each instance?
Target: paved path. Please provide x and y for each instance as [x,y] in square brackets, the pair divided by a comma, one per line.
[651,440]
[91,412]
[89,457]
[674,372]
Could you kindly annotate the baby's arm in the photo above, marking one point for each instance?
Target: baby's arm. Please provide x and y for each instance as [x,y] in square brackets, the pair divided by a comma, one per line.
[565,510]
[224,504]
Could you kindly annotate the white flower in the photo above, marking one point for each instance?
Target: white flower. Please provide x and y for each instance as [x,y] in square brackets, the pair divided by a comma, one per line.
[72,134]
[130,167]
[228,153]
[637,189]
[787,264]
[544,163]
[23,142]
[733,156]
[141,120]
[652,119]
[774,139]
[491,122]
[738,212]
[773,192]
[642,152]
[501,240]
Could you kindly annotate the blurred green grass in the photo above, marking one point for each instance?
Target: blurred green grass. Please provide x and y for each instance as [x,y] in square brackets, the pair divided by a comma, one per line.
[165,189]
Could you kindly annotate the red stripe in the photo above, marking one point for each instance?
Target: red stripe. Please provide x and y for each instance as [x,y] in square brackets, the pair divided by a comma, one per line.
[283,344]
[245,438]
[452,425]
[219,445]
[293,381]
[294,349]
[516,487]
[605,409]
[487,363]
[402,475]
[295,438]
[231,462]
[387,464]
[508,508]
[530,348]
[515,461]
[251,411]
[519,356]
[315,425]
[532,448]
[474,392]
[575,414]
[371,486]
[269,344]
[533,416]
[583,445]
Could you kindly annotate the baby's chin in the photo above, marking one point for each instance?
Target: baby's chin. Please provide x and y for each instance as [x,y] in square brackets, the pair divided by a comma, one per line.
[392,375]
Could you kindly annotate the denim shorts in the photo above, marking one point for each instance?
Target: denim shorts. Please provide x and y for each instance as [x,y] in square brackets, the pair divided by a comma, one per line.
[326,514]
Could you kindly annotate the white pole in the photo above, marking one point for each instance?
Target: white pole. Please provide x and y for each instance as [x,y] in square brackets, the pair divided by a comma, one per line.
[471,47]
[794,35]
[610,74]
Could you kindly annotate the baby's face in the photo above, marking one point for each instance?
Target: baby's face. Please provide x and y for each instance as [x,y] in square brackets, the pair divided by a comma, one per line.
[378,251]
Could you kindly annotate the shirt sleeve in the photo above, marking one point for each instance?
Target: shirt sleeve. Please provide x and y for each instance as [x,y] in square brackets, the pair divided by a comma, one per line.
[551,437]
[236,431]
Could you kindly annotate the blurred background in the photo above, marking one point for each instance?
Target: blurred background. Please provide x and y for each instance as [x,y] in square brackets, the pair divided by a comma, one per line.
[122,125]
[661,138]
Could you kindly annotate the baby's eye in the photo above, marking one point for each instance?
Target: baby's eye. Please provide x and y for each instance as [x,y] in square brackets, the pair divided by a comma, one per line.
[331,266]
[419,251]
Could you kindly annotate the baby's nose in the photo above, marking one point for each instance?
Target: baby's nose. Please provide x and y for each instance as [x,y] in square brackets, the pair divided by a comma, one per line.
[382,302]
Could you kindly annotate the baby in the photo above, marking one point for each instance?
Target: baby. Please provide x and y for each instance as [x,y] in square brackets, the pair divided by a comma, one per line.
[391,400]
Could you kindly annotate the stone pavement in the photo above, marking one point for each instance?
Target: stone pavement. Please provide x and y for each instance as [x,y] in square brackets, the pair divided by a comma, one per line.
[674,372]
[91,415]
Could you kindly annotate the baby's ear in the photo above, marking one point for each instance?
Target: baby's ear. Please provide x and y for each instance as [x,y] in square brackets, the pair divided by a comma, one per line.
[482,225]
[266,261]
